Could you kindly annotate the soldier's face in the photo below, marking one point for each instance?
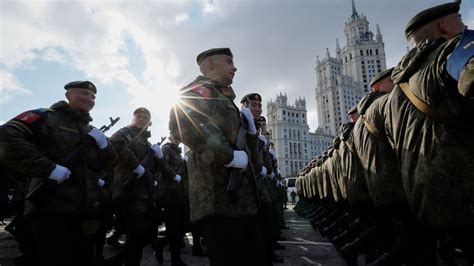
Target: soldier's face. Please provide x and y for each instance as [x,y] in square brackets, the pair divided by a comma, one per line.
[82,100]
[452,25]
[224,69]
[141,120]
[385,85]
[256,109]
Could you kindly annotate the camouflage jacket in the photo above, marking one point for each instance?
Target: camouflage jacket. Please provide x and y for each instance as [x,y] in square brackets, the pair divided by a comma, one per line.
[133,148]
[34,141]
[208,122]
[434,150]
[169,189]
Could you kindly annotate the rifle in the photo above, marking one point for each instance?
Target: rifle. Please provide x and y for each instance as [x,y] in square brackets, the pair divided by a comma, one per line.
[142,161]
[47,188]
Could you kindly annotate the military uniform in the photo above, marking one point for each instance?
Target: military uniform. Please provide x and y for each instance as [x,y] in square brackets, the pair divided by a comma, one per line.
[64,220]
[208,122]
[172,196]
[136,196]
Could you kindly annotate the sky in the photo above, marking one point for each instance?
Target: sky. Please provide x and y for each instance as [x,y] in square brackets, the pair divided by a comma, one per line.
[140,53]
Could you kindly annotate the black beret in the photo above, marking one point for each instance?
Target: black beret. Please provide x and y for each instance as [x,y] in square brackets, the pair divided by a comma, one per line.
[214,51]
[352,110]
[141,110]
[381,75]
[262,119]
[81,85]
[426,16]
[251,97]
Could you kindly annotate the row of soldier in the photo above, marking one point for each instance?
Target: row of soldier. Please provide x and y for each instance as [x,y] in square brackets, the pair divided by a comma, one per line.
[397,183]
[74,183]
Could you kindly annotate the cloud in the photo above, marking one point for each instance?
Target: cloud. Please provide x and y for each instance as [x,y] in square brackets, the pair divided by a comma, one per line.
[10,87]
[181,18]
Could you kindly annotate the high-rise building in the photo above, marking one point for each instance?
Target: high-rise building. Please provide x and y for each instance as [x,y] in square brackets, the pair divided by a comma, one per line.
[344,79]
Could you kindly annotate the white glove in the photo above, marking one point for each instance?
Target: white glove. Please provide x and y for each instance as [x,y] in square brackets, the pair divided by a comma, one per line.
[99,138]
[272,152]
[240,160]
[185,157]
[59,174]
[272,175]
[247,114]
[263,171]
[100,182]
[263,139]
[140,170]
[178,178]
[157,149]
[155,183]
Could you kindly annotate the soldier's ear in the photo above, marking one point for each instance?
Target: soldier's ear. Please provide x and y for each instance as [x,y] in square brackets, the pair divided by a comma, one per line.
[68,95]
[150,124]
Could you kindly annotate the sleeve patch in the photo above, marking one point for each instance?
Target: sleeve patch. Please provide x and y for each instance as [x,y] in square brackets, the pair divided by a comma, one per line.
[202,90]
[28,117]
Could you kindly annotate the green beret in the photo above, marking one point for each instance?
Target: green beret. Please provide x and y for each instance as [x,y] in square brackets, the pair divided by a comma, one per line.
[81,85]
[381,75]
[426,16]
[352,110]
[251,97]
[142,110]
[214,51]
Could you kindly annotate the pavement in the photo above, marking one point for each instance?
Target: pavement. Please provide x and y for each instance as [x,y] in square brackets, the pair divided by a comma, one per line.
[304,246]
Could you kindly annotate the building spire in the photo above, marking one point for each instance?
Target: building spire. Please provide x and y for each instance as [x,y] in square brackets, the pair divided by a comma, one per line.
[354,11]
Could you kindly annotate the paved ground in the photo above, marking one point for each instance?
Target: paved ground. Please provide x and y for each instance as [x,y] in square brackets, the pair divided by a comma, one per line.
[303,247]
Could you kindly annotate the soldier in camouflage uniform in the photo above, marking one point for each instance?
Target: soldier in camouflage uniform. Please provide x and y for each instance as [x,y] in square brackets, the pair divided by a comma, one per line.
[64,208]
[429,121]
[172,195]
[134,185]
[208,122]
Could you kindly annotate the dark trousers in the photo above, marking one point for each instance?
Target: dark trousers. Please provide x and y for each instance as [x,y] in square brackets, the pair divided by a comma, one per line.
[139,234]
[60,240]
[234,241]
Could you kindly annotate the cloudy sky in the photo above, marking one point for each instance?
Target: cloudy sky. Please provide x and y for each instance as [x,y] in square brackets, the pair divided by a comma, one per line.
[139,53]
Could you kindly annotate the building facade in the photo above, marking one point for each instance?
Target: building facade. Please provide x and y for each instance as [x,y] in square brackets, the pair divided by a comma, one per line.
[295,146]
[344,79]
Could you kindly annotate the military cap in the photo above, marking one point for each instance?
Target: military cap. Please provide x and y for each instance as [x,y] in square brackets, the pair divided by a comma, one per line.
[352,110]
[141,110]
[426,16]
[81,85]
[251,97]
[381,75]
[214,51]
[262,119]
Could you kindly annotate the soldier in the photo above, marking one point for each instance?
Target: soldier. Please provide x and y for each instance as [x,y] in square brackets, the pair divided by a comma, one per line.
[208,122]
[429,112]
[172,198]
[63,187]
[134,184]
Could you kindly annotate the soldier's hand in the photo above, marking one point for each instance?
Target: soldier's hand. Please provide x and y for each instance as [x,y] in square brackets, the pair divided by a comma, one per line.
[139,171]
[247,114]
[178,178]
[59,174]
[263,139]
[157,149]
[155,183]
[263,171]
[99,137]
[240,160]
[272,153]
[100,182]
